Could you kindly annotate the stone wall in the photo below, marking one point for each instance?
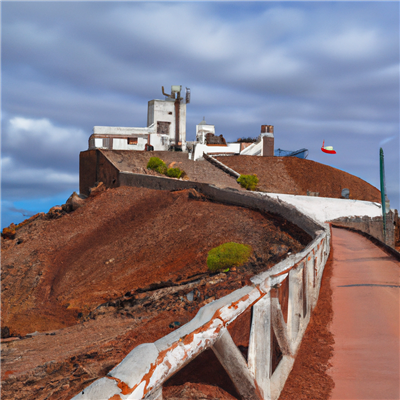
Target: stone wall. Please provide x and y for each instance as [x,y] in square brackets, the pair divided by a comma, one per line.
[94,167]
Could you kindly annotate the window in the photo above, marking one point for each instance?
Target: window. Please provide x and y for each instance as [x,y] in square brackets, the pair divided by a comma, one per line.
[132,140]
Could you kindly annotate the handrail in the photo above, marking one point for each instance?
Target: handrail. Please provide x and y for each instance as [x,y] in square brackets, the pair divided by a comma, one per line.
[144,370]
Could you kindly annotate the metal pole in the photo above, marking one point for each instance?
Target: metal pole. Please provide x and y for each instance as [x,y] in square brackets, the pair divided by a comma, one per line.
[383,194]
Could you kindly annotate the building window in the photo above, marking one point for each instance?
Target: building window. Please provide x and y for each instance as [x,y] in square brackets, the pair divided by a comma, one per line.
[163,127]
[132,140]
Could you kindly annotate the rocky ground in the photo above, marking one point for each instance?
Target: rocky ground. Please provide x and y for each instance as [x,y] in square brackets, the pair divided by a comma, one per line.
[81,289]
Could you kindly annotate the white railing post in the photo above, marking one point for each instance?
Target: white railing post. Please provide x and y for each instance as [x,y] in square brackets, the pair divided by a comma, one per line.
[259,354]
[156,395]
[235,365]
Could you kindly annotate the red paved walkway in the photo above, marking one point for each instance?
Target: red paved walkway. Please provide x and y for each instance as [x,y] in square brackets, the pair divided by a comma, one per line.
[365,325]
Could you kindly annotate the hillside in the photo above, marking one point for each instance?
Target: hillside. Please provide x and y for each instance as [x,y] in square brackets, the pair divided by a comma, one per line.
[90,285]
[292,175]
[81,289]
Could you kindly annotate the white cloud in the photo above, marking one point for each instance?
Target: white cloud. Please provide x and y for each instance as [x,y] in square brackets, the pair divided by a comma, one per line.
[39,157]
[37,140]
[352,44]
[310,69]
[40,132]
[13,173]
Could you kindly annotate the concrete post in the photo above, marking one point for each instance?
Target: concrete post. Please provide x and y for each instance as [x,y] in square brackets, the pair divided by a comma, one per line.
[295,304]
[259,354]
[279,326]
[235,365]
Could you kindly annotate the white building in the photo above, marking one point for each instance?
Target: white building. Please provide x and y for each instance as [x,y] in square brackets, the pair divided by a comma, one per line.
[207,142]
[166,128]
[201,131]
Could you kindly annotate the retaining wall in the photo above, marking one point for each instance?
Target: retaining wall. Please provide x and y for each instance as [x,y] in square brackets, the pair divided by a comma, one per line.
[372,226]
[280,299]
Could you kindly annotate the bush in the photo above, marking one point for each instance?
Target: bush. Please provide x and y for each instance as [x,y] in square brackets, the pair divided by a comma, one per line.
[156,164]
[175,172]
[248,182]
[228,255]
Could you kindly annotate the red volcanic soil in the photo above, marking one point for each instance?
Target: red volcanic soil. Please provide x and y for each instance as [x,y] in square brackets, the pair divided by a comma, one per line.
[91,285]
[292,175]
[309,378]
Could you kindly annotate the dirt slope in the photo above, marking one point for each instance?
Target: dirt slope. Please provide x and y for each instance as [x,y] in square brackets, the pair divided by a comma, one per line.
[116,273]
[294,175]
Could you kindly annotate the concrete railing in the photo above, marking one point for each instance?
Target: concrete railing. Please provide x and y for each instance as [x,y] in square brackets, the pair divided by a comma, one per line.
[281,300]
[372,226]
[221,166]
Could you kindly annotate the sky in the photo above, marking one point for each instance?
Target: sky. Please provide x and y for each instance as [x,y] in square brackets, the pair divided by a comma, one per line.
[315,70]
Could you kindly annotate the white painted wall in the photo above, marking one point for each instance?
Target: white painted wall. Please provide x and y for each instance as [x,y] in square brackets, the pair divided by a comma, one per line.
[122,144]
[202,130]
[160,142]
[120,130]
[254,149]
[164,110]
[233,148]
[326,209]
[98,143]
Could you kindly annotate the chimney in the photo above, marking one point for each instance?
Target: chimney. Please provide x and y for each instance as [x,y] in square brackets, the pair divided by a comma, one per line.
[267,137]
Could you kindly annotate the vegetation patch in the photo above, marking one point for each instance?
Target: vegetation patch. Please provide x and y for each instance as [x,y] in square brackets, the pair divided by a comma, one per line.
[156,164]
[175,172]
[248,182]
[228,255]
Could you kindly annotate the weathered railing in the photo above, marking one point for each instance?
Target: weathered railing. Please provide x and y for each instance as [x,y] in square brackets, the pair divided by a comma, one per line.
[281,300]
[221,166]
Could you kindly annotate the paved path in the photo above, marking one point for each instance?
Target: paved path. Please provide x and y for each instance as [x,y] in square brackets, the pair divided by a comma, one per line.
[366,287]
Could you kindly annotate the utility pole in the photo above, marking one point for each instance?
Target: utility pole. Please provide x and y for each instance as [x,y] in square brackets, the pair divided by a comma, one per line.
[383,191]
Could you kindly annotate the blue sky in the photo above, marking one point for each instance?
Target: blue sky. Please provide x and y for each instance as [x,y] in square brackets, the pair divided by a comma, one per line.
[315,70]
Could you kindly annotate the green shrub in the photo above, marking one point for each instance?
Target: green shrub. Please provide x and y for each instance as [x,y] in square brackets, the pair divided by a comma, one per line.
[175,172]
[248,182]
[228,255]
[156,164]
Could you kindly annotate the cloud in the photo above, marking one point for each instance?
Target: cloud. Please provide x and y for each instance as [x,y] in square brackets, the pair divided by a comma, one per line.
[314,70]
[38,142]
[39,158]
[387,140]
